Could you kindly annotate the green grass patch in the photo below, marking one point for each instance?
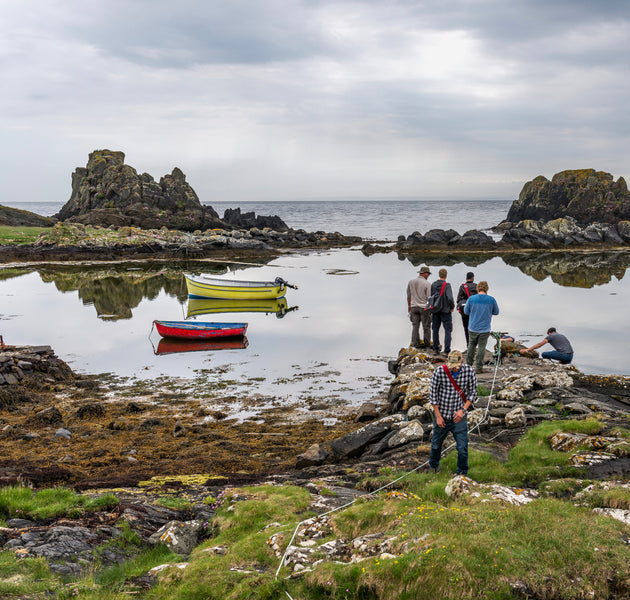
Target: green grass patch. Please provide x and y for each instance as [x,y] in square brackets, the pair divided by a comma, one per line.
[604,496]
[174,503]
[22,502]
[19,577]
[16,236]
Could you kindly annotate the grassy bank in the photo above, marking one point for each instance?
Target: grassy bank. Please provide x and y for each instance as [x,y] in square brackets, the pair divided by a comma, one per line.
[18,236]
[472,546]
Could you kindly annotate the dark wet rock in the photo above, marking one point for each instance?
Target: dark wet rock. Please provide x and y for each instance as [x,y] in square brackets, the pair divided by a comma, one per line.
[248,220]
[441,236]
[367,412]
[355,443]
[585,194]
[369,249]
[19,523]
[90,410]
[48,416]
[474,238]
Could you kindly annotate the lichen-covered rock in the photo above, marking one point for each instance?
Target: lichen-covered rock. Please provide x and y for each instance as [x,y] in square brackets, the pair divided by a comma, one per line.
[565,442]
[515,418]
[560,379]
[513,394]
[179,536]
[411,433]
[584,194]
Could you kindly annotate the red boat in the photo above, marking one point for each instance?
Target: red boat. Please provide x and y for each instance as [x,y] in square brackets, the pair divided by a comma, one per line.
[197,330]
[173,345]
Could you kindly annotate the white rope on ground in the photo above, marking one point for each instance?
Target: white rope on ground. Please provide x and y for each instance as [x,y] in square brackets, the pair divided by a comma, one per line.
[497,362]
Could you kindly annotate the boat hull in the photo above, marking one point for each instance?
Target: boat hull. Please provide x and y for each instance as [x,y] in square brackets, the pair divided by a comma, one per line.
[234,290]
[196,330]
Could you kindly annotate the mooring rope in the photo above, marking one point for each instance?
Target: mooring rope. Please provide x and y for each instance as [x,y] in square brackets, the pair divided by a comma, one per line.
[497,362]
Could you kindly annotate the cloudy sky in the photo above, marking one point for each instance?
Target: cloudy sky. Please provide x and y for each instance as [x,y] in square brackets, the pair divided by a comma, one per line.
[295,99]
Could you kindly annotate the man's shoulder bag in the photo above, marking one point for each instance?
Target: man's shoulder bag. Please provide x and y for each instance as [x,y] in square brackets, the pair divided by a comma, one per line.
[460,306]
[436,302]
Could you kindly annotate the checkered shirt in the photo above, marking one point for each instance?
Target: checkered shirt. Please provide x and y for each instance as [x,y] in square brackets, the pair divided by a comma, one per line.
[444,394]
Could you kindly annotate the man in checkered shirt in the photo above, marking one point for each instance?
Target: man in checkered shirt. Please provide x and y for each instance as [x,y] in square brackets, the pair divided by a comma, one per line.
[450,408]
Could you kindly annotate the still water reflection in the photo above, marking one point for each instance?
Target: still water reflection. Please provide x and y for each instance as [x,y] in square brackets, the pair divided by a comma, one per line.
[333,335]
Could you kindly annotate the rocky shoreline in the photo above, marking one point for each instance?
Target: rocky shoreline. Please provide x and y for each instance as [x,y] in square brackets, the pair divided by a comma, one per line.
[62,429]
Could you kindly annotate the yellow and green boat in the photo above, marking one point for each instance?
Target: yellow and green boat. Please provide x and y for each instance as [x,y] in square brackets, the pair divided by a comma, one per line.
[229,289]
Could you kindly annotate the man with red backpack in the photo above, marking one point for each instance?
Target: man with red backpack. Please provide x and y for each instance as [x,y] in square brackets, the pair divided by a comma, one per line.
[442,292]
[466,290]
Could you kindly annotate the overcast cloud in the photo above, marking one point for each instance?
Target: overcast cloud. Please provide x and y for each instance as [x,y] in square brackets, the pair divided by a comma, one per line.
[289,99]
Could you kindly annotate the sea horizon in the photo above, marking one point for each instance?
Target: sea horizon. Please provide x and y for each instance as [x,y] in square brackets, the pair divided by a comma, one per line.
[371,219]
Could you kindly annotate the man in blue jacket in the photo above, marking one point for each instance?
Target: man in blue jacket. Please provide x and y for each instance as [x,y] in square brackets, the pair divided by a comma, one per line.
[480,309]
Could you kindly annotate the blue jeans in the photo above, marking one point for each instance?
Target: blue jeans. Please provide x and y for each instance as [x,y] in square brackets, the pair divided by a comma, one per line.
[445,319]
[564,357]
[460,433]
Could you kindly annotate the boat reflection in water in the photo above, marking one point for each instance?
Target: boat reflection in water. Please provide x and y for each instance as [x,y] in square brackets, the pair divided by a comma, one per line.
[172,345]
[205,306]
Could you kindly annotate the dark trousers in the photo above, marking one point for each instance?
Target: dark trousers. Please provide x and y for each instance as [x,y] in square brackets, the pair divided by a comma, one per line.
[465,319]
[460,433]
[446,320]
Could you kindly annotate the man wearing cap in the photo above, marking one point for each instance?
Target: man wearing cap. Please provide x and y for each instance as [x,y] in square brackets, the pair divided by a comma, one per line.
[466,290]
[418,291]
[453,391]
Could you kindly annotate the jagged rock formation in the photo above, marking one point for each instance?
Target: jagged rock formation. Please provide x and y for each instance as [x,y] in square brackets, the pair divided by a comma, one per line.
[108,192]
[584,194]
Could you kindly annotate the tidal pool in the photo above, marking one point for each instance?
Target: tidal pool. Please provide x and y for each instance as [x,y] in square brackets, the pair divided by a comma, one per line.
[331,346]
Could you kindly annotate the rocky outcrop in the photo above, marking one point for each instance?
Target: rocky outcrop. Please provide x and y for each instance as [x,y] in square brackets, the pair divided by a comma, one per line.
[248,220]
[107,192]
[14,217]
[564,232]
[584,194]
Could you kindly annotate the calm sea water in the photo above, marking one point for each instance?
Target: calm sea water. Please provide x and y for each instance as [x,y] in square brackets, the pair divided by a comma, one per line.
[351,314]
[370,219]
